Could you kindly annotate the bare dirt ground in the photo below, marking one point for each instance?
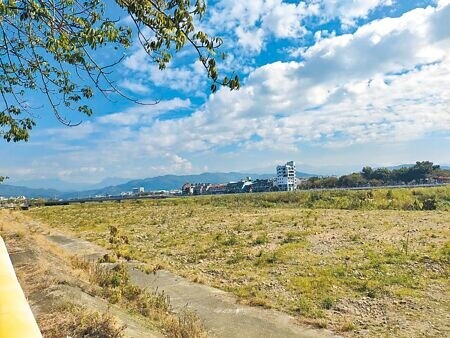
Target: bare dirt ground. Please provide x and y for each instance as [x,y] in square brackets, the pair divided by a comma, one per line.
[40,253]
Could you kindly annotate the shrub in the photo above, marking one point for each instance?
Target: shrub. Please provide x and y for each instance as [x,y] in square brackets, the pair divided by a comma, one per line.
[390,195]
[155,305]
[72,321]
[108,258]
[429,204]
[261,239]
[236,258]
[186,325]
[327,303]
[348,326]
[230,241]
[303,306]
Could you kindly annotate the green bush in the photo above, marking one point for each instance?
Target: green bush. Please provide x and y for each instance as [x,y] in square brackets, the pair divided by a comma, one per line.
[429,204]
[327,303]
[261,239]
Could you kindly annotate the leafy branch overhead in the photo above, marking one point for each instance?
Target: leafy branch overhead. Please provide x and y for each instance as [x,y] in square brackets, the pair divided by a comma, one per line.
[171,25]
[50,47]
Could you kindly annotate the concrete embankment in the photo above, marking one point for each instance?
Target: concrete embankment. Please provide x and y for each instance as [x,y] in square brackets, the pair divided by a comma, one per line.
[16,318]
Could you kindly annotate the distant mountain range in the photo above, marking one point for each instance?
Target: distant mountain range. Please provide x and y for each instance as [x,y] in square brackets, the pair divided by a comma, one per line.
[166,182]
[7,190]
[64,186]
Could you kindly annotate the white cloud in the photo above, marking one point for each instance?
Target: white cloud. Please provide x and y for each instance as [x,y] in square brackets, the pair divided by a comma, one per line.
[263,19]
[349,89]
[250,40]
[253,22]
[349,10]
[176,164]
[69,173]
[79,132]
[143,114]
[187,78]
[135,87]
[285,19]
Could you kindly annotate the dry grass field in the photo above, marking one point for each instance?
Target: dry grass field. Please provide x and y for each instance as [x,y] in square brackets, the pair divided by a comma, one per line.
[359,263]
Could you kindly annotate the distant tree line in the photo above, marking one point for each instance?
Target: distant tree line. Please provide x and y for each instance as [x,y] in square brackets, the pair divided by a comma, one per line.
[421,172]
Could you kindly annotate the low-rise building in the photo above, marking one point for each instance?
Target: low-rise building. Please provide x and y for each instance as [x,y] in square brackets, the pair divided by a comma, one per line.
[139,190]
[216,189]
[239,187]
[263,185]
[200,188]
[442,179]
[187,189]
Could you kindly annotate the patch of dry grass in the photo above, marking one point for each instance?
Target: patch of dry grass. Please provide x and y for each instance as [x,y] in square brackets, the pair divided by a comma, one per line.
[115,286]
[77,322]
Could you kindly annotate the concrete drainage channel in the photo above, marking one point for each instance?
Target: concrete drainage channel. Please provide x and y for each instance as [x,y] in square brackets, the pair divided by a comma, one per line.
[219,310]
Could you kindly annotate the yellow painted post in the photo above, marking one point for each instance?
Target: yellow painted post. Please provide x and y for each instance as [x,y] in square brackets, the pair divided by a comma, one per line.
[16,318]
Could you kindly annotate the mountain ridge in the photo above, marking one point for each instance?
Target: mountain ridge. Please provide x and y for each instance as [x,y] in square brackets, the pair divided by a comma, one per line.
[7,190]
[65,186]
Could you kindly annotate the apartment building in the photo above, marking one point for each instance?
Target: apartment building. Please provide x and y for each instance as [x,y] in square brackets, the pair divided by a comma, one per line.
[286,177]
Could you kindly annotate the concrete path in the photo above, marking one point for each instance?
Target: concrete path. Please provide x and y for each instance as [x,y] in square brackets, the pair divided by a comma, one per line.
[219,310]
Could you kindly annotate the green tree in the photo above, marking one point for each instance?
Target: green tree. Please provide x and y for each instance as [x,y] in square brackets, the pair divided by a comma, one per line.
[330,182]
[382,174]
[352,180]
[422,170]
[419,172]
[49,46]
[367,173]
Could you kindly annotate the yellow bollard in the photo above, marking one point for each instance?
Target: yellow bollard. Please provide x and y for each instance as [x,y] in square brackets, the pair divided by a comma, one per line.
[16,318]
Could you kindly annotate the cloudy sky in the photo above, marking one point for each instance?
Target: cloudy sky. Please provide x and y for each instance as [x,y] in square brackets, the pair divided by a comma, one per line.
[331,84]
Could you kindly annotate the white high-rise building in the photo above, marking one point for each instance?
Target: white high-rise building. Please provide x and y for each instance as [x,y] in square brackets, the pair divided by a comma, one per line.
[286,179]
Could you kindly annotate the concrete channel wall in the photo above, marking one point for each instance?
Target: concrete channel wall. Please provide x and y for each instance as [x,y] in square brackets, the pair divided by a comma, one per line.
[16,318]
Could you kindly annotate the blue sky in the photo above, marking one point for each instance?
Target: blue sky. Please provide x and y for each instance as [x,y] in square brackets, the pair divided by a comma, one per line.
[333,85]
